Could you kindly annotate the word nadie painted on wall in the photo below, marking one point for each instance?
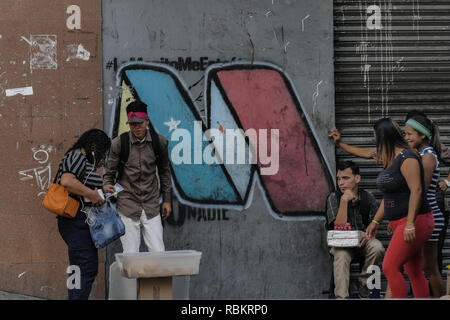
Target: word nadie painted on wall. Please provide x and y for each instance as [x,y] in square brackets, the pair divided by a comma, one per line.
[240,96]
[188,213]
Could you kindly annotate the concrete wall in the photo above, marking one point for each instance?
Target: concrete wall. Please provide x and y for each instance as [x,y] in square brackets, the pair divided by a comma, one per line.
[62,98]
[262,236]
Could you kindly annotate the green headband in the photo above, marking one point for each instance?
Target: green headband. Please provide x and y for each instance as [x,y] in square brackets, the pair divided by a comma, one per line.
[418,127]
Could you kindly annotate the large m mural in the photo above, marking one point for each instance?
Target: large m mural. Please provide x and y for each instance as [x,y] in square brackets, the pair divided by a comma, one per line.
[241,97]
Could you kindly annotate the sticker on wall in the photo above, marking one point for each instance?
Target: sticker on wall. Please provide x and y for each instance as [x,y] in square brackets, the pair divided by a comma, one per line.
[255,133]
[77,52]
[26,91]
[43,52]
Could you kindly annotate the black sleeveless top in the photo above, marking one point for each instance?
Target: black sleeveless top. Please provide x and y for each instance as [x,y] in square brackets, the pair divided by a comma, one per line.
[395,190]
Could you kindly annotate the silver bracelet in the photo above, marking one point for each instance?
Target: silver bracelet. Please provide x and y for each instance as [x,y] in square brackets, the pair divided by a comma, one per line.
[410,229]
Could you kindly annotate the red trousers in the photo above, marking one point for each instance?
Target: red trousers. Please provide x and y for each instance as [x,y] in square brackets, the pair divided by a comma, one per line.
[409,256]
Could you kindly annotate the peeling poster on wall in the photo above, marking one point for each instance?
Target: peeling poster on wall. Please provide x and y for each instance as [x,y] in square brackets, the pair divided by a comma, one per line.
[43,52]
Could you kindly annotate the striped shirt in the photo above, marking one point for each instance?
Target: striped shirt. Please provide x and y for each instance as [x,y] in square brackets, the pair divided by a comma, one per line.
[431,196]
[76,163]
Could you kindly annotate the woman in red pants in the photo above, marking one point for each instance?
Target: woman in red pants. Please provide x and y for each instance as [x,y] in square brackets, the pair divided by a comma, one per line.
[405,205]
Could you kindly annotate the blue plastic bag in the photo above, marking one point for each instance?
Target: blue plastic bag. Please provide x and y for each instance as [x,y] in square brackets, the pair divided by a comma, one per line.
[105,224]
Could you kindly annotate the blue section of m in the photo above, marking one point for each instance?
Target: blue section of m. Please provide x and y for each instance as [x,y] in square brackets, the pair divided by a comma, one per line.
[166,101]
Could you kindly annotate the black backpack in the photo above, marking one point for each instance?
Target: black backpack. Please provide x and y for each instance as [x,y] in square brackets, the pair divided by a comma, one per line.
[125,150]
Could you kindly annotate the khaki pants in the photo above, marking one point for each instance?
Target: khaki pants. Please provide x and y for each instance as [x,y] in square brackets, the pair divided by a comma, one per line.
[372,251]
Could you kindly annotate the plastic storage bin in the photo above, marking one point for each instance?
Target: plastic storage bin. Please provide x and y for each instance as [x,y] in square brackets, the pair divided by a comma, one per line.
[159,264]
[121,288]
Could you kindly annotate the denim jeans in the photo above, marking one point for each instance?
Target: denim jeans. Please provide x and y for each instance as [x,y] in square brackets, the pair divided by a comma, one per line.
[105,225]
[82,253]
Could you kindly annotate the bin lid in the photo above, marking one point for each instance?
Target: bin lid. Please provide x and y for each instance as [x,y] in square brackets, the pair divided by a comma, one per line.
[159,264]
[171,253]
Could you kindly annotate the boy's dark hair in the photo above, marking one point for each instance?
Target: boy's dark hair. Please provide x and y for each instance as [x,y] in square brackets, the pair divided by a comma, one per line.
[348,164]
[137,106]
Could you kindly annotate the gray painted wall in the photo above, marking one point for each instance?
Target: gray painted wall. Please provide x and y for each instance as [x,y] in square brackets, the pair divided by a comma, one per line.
[247,254]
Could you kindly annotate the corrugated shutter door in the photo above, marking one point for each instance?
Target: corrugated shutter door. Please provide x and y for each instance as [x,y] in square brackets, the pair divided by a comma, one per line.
[390,57]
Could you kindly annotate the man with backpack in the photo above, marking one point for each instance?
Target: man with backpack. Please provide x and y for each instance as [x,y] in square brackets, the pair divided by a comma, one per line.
[135,158]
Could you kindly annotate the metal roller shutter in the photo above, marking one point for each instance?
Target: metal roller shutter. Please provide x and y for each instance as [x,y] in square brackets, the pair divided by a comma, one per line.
[386,67]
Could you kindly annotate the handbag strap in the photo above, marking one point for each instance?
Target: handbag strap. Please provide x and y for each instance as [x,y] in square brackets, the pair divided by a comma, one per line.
[56,175]
[54,180]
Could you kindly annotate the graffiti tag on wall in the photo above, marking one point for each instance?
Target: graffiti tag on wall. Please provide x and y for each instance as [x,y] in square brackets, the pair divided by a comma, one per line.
[187,213]
[42,174]
[241,96]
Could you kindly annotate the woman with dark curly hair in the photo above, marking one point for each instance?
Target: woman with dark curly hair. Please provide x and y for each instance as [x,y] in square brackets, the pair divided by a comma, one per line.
[77,174]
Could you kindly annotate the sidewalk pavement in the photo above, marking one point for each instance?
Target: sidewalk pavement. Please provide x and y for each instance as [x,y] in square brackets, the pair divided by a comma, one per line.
[14,296]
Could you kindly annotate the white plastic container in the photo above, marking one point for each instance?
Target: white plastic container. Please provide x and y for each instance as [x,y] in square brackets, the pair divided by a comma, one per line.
[121,288]
[159,264]
[343,239]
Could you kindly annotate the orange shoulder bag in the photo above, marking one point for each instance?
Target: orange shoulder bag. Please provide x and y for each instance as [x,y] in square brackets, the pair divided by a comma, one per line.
[58,201]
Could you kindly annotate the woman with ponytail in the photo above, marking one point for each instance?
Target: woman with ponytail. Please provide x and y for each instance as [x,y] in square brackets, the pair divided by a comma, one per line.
[406,208]
[422,134]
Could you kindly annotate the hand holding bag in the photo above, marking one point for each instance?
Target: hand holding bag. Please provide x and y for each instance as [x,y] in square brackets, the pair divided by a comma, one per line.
[105,224]
[58,201]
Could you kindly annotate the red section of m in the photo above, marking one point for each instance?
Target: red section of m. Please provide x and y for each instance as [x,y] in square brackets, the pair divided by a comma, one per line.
[263,99]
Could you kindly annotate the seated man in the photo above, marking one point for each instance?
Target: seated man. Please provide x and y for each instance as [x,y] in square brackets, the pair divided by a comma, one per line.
[357,207]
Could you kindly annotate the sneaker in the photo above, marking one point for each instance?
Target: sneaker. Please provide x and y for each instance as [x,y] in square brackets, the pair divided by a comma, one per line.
[363,291]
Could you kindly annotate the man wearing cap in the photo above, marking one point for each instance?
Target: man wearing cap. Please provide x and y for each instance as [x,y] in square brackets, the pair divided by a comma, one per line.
[138,204]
